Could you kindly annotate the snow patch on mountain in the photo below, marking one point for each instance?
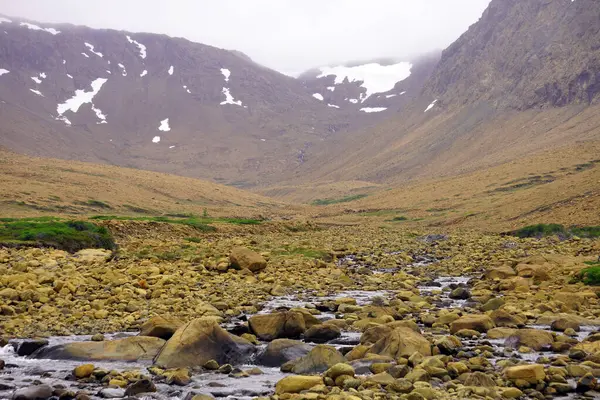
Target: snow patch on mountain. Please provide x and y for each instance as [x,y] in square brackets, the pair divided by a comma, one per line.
[331,88]
[171,70]
[333,106]
[3,71]
[375,78]
[80,97]
[373,109]
[101,116]
[140,46]
[318,96]
[164,125]
[123,70]
[6,20]
[144,73]
[156,139]
[429,107]
[226,73]
[85,55]
[186,89]
[91,47]
[39,28]
[37,92]
[36,79]
[229,98]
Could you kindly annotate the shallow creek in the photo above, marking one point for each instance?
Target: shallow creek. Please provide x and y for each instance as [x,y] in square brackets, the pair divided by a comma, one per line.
[23,372]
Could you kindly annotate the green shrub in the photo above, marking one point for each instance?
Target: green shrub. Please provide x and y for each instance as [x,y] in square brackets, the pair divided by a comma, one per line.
[68,235]
[543,230]
[591,275]
[400,218]
[324,202]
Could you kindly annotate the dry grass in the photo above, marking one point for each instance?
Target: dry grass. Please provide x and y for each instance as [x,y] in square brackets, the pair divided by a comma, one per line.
[38,186]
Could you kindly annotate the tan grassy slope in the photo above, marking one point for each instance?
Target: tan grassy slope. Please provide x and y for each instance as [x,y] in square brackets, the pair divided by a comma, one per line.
[33,186]
[557,186]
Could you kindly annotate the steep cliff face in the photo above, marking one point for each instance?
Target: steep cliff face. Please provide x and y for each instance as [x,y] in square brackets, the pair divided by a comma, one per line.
[523,54]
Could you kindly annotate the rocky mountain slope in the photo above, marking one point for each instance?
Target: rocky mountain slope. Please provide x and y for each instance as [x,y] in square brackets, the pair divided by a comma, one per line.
[155,102]
[524,54]
[523,79]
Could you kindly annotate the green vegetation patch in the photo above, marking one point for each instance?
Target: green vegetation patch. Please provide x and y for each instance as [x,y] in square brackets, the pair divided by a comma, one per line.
[325,202]
[200,223]
[525,183]
[590,275]
[543,230]
[64,235]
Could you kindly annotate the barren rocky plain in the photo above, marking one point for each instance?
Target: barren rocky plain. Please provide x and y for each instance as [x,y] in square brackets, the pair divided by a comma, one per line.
[293,309]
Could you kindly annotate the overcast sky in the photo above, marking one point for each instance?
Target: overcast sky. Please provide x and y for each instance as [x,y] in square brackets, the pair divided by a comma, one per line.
[287,35]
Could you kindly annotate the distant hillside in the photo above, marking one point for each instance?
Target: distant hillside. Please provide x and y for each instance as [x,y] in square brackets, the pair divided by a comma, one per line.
[33,186]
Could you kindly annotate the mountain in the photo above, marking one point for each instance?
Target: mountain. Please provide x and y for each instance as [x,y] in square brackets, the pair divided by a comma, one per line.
[372,86]
[521,80]
[154,102]
[524,54]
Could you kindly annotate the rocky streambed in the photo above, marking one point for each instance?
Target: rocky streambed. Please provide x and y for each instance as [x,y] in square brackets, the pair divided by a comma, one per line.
[424,323]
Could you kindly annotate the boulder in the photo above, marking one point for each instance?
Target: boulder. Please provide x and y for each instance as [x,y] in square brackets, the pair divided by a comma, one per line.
[319,359]
[502,319]
[401,342]
[35,392]
[93,255]
[479,379]
[531,373]
[280,351]
[29,346]
[460,293]
[127,349]
[160,326]
[202,340]
[141,386]
[244,258]
[339,370]
[533,338]
[502,272]
[563,324]
[286,324]
[322,333]
[480,323]
[449,345]
[297,384]
[83,371]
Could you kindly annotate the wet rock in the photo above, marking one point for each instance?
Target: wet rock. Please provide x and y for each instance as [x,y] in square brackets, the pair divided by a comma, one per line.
[2,364]
[322,333]
[112,393]
[127,349]
[83,371]
[562,324]
[199,341]
[449,345]
[29,346]
[296,384]
[37,392]
[192,396]
[160,326]
[98,337]
[318,360]
[177,376]
[586,383]
[287,324]
[460,293]
[141,386]
[280,351]
[401,342]
[533,338]
[244,258]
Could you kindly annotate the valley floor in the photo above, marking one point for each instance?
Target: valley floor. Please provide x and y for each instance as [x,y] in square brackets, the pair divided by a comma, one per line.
[403,313]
